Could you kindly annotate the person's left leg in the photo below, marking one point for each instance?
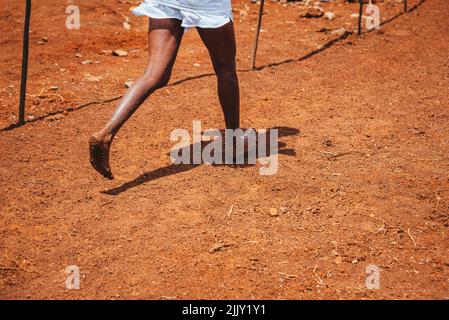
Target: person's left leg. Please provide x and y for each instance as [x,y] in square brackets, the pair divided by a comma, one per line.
[220,43]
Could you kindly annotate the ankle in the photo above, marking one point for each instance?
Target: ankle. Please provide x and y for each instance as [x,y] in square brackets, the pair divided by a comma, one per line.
[104,136]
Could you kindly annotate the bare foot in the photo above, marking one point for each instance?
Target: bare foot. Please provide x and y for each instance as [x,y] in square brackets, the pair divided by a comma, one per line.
[241,146]
[243,154]
[99,156]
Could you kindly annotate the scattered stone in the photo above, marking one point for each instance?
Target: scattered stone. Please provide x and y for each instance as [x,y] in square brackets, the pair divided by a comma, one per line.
[283,210]
[127,25]
[418,131]
[120,53]
[196,65]
[356,15]
[55,117]
[43,40]
[86,62]
[327,143]
[92,78]
[128,84]
[54,88]
[274,212]
[78,55]
[339,32]
[312,12]
[329,16]
[220,247]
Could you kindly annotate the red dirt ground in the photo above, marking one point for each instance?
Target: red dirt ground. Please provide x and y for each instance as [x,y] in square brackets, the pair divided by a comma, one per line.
[364,176]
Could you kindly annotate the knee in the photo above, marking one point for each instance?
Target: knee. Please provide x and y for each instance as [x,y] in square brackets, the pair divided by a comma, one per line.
[226,70]
[154,82]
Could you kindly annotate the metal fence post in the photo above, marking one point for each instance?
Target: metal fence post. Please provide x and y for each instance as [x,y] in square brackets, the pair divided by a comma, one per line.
[359,31]
[256,40]
[23,81]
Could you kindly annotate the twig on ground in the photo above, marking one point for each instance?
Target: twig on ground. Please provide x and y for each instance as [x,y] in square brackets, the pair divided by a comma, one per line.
[438,203]
[316,276]
[288,276]
[410,235]
[9,269]
[220,247]
[230,210]
[331,155]
[45,95]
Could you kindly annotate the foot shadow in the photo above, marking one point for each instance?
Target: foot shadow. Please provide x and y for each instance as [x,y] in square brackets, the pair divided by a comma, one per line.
[173,169]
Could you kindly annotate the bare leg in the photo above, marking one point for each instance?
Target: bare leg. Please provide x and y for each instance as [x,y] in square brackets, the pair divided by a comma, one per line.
[164,38]
[222,50]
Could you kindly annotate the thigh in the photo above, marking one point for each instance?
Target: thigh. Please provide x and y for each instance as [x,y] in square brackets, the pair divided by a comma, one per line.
[221,44]
[164,39]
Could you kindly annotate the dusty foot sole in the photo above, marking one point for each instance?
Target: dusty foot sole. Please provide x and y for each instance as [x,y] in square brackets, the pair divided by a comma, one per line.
[99,158]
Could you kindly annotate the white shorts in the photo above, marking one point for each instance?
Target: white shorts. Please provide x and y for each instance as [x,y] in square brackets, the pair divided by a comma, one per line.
[205,14]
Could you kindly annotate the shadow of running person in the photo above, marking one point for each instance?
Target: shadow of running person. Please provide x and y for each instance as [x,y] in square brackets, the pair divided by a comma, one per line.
[173,168]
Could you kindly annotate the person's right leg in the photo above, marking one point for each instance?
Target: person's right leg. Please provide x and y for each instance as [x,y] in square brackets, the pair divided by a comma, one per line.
[164,38]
